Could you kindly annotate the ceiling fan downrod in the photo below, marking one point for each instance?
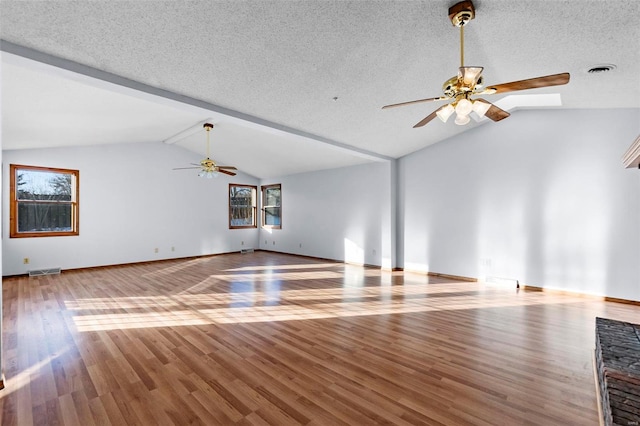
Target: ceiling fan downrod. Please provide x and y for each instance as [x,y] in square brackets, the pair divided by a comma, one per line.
[460,14]
[461,45]
[207,127]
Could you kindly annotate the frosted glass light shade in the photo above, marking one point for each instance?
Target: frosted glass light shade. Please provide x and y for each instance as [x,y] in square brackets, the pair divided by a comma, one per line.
[461,120]
[445,112]
[469,75]
[481,108]
[208,174]
[464,107]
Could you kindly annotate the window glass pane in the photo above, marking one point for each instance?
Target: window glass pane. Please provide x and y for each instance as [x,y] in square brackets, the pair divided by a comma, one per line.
[44,217]
[272,206]
[272,216]
[43,186]
[272,197]
[44,202]
[241,205]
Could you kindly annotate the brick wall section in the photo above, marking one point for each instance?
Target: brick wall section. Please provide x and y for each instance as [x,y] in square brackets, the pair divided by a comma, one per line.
[618,369]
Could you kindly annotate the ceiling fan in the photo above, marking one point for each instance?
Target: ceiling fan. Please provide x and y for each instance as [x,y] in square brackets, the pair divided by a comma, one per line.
[469,82]
[208,167]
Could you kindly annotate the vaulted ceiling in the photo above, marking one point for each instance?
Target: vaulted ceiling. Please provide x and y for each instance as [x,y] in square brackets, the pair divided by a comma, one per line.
[293,86]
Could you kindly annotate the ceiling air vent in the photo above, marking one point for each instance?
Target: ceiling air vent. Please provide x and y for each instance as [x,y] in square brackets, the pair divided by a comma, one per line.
[598,69]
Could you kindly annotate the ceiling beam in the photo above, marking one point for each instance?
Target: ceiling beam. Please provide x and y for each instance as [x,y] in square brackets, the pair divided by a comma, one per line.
[188,132]
[123,82]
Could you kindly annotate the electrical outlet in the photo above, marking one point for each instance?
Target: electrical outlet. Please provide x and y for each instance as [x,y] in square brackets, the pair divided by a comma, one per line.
[265,241]
[300,245]
[25,260]
[274,243]
[155,250]
[173,248]
[241,243]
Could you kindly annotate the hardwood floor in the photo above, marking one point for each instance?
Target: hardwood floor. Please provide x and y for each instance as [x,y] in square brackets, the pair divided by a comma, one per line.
[266,338]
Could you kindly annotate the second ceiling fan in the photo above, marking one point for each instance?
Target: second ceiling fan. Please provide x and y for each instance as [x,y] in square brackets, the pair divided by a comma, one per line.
[469,82]
[208,167]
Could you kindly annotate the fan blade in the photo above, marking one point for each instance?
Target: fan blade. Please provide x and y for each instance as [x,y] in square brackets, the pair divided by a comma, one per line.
[428,118]
[185,168]
[227,167]
[441,98]
[532,83]
[226,172]
[469,75]
[494,112]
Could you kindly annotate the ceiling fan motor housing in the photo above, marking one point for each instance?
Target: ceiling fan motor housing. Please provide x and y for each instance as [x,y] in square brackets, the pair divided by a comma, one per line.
[450,87]
[454,86]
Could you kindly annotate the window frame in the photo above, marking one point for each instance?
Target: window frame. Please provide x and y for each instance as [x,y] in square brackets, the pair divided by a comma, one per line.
[263,206]
[254,189]
[14,202]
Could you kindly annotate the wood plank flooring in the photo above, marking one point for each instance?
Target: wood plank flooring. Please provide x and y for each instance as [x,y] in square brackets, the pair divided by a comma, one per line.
[265,338]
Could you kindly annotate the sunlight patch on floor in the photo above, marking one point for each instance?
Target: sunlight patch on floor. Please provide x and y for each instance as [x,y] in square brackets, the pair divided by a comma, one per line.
[260,294]
[26,376]
[337,266]
[185,315]
[174,268]
[269,276]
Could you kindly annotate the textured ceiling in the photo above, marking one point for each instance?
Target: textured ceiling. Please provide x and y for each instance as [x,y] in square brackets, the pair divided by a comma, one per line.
[46,106]
[285,61]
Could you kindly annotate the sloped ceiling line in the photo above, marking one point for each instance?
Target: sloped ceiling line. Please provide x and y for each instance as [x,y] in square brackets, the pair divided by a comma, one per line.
[84,70]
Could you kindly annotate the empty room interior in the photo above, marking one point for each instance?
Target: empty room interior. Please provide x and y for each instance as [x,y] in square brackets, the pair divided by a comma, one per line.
[317,212]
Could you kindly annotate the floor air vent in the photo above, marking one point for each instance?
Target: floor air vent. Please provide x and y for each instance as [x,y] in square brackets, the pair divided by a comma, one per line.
[39,272]
[247,250]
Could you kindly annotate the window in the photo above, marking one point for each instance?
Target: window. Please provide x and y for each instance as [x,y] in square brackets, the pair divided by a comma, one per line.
[271,206]
[242,206]
[44,202]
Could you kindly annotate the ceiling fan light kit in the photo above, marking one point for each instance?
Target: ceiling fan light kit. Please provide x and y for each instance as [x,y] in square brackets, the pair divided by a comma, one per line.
[445,112]
[469,82]
[208,174]
[480,107]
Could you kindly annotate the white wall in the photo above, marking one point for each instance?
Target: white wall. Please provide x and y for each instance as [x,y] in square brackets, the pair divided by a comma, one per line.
[131,202]
[2,190]
[541,197]
[342,214]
